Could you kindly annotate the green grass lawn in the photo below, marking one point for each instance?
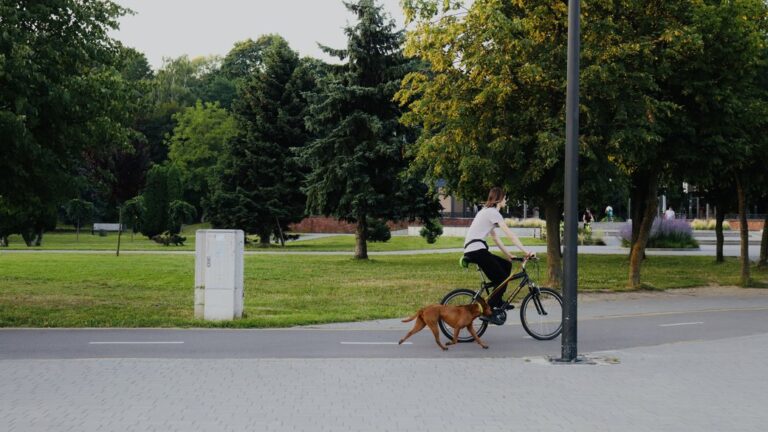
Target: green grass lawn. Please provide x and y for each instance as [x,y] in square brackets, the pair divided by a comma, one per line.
[69,241]
[88,241]
[74,290]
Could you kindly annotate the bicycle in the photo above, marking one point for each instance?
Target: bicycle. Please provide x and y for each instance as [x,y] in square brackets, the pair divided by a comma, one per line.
[541,310]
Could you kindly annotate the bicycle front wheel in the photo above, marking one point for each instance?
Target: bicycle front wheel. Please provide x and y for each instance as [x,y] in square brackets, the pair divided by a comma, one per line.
[542,314]
[459,297]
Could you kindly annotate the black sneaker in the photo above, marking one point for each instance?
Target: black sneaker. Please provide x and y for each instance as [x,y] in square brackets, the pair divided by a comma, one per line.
[509,307]
[494,318]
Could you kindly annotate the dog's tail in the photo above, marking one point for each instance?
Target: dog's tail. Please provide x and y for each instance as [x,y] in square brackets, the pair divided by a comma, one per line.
[409,319]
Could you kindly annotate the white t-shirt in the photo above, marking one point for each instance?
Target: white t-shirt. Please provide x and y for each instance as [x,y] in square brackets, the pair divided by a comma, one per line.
[486,219]
[669,214]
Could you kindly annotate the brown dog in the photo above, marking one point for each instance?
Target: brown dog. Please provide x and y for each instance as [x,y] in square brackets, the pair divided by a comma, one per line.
[457,317]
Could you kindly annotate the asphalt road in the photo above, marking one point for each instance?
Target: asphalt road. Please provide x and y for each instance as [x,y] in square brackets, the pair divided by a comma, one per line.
[605,325]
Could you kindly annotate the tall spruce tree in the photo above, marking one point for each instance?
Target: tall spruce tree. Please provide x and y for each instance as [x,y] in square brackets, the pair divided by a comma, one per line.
[358,163]
[259,182]
[163,187]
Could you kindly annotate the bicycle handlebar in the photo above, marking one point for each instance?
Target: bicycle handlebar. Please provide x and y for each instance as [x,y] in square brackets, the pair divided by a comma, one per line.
[524,259]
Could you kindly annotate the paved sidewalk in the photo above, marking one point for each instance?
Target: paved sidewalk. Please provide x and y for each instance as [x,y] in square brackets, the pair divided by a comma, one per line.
[713,386]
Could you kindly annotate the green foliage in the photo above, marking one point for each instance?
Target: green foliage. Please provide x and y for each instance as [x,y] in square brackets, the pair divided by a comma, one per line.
[163,187]
[61,98]
[246,58]
[708,224]
[378,231]
[199,138]
[180,212]
[79,211]
[133,212]
[259,180]
[358,162]
[167,238]
[526,223]
[491,102]
[431,231]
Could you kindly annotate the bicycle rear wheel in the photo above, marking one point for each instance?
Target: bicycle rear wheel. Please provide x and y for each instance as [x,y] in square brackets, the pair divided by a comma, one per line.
[459,297]
[542,314]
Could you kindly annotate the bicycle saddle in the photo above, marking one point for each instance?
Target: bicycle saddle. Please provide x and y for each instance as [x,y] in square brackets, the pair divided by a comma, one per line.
[465,261]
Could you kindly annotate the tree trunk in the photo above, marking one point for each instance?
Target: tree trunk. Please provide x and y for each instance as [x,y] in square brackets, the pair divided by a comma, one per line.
[744,231]
[3,241]
[264,237]
[28,237]
[39,237]
[638,192]
[642,223]
[719,218]
[361,238]
[554,259]
[77,235]
[764,244]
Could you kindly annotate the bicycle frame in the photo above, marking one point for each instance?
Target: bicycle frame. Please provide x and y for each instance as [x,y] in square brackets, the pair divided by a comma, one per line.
[522,274]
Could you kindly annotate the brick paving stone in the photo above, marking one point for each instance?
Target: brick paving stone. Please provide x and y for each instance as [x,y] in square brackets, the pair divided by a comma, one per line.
[703,386]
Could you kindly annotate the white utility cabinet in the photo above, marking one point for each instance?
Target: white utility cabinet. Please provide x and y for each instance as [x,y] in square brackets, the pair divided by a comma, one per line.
[219,274]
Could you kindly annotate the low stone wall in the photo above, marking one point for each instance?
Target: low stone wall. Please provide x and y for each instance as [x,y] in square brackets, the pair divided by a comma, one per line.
[452,231]
[453,226]
[752,224]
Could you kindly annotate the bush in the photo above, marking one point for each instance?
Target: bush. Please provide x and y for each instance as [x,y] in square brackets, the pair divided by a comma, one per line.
[168,239]
[587,237]
[674,233]
[526,223]
[431,230]
[378,231]
[708,224]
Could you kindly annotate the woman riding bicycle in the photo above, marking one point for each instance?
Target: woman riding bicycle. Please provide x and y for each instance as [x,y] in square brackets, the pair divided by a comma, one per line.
[476,249]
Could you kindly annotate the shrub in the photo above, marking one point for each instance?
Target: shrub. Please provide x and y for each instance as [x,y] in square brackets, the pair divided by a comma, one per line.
[672,233]
[168,239]
[526,223]
[708,224]
[378,231]
[587,237]
[431,230]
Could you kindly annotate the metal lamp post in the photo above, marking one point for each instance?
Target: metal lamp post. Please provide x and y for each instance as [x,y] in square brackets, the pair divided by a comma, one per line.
[570,258]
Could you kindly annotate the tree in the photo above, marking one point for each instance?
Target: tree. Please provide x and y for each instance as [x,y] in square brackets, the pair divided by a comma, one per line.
[729,118]
[79,211]
[198,140]
[491,103]
[61,99]
[358,162]
[163,188]
[110,177]
[258,186]
[133,212]
[9,221]
[179,213]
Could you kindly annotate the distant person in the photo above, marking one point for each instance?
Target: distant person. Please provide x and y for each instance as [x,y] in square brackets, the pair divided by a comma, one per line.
[587,218]
[609,213]
[669,214]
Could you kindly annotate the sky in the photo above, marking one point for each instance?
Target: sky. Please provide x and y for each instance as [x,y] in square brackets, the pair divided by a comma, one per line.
[172,28]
